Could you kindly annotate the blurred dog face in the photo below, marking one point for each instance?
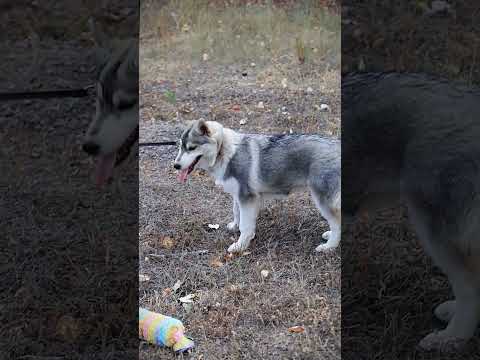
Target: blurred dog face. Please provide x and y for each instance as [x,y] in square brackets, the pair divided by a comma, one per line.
[114,127]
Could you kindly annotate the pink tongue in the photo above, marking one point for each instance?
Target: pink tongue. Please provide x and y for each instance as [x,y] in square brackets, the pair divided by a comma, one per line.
[182,175]
[104,169]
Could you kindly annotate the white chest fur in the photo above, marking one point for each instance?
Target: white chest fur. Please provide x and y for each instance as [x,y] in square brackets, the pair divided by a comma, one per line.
[230,185]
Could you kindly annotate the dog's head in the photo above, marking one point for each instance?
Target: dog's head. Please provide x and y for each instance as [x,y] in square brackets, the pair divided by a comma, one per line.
[200,146]
[114,127]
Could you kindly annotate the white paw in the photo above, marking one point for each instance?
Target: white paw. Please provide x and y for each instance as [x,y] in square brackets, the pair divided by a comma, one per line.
[232,226]
[237,247]
[445,311]
[326,235]
[325,247]
[441,340]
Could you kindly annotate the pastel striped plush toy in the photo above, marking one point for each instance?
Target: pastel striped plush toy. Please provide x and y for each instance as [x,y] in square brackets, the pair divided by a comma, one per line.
[162,330]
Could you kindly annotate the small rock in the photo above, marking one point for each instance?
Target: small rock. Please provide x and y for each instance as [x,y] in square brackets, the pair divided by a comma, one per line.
[243,121]
[324,107]
[253,64]
[143,278]
[187,298]
[205,57]
[177,285]
[309,90]
[264,273]
[260,105]
[284,82]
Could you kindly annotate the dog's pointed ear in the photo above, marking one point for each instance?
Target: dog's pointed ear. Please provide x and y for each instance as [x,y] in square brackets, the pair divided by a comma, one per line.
[103,49]
[202,127]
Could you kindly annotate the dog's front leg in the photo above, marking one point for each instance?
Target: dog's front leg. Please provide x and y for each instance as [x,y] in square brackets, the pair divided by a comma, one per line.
[248,219]
[233,225]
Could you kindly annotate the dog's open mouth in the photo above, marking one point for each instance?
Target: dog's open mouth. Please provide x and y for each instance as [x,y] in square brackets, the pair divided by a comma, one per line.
[106,163]
[183,175]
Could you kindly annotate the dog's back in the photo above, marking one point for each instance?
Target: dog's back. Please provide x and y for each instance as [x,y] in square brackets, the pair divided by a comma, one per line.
[420,139]
[279,164]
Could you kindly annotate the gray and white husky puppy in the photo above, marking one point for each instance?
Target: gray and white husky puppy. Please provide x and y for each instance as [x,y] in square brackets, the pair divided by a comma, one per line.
[114,128]
[420,144]
[254,167]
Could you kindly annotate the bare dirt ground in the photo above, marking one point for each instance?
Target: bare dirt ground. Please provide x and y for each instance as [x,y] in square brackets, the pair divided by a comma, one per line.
[237,313]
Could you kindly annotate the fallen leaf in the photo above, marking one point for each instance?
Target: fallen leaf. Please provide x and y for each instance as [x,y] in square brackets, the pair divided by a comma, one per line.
[167,292]
[216,263]
[68,327]
[228,256]
[296,329]
[167,242]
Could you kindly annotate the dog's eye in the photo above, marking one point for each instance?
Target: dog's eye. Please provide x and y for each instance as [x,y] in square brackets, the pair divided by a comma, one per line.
[191,148]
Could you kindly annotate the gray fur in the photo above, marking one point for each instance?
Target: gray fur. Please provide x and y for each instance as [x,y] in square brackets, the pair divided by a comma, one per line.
[239,168]
[420,144]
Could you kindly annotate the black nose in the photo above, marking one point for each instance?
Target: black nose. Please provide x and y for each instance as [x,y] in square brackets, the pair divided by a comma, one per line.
[91,148]
[177,166]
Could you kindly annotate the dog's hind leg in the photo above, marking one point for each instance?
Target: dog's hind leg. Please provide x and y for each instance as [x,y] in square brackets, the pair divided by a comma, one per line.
[248,218]
[233,225]
[331,212]
[465,311]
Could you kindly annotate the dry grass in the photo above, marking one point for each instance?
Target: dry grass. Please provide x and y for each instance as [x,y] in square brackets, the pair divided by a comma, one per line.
[268,36]
[237,314]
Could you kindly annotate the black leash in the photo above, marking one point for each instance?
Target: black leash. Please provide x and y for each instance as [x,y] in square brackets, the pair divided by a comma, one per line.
[74,93]
[46,94]
[162,143]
